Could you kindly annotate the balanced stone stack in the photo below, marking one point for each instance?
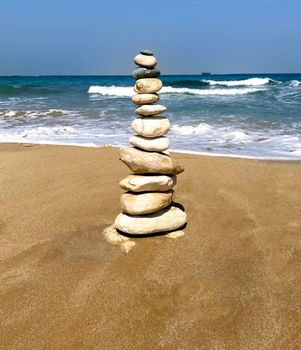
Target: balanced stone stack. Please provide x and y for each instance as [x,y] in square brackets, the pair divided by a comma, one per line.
[147,206]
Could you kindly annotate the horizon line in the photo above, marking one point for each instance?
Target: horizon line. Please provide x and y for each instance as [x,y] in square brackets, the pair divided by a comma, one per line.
[129,75]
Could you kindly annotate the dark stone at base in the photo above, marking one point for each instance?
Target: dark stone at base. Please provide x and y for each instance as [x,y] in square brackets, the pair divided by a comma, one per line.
[140,73]
[147,52]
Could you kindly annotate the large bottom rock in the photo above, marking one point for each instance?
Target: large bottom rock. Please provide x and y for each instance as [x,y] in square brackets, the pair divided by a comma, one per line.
[145,203]
[168,219]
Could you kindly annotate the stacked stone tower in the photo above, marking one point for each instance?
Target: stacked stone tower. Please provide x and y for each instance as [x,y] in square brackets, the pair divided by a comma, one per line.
[147,206]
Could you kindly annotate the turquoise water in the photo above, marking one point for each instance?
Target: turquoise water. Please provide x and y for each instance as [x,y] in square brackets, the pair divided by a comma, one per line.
[246,115]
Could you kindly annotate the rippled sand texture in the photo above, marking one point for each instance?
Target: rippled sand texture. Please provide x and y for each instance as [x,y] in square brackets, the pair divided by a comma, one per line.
[231,282]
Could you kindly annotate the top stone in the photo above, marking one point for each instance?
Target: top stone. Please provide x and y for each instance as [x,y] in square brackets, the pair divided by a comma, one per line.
[147,52]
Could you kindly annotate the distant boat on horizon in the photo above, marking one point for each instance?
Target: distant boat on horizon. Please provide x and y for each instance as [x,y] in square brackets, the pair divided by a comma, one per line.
[206,73]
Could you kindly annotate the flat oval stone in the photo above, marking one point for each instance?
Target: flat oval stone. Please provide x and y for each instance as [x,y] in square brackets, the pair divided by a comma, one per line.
[147,52]
[145,203]
[141,162]
[168,219]
[148,110]
[149,183]
[145,60]
[151,126]
[141,99]
[157,144]
[148,85]
[140,73]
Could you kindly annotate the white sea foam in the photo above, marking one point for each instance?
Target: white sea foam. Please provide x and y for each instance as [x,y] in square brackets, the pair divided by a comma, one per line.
[237,136]
[273,145]
[245,82]
[203,138]
[8,114]
[48,131]
[209,92]
[38,113]
[218,134]
[123,91]
[294,83]
[202,128]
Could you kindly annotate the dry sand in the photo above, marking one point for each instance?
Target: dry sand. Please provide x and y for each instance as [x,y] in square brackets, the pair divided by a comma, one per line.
[231,282]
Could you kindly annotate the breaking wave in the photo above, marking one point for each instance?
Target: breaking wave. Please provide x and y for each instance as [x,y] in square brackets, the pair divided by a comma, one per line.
[245,82]
[123,91]
[208,92]
[295,83]
[224,134]
[279,144]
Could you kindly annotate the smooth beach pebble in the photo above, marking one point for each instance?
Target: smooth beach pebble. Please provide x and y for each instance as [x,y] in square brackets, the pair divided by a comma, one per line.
[141,162]
[141,183]
[147,52]
[140,73]
[157,144]
[151,126]
[148,110]
[145,61]
[148,85]
[168,219]
[145,203]
[113,236]
[141,99]
[127,246]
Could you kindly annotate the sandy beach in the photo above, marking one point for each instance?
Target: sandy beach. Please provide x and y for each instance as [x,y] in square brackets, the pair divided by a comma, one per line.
[231,282]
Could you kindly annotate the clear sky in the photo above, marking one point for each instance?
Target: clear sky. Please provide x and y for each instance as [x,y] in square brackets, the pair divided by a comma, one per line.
[188,36]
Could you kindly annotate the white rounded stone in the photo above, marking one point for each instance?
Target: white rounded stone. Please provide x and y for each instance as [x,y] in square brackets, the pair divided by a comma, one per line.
[141,99]
[148,110]
[127,246]
[168,219]
[113,236]
[145,203]
[151,126]
[145,60]
[157,144]
[148,183]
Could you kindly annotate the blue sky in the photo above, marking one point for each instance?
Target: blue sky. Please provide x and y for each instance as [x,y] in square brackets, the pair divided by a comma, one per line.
[188,36]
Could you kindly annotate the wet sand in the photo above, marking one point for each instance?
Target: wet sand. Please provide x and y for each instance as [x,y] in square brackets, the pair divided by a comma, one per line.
[232,282]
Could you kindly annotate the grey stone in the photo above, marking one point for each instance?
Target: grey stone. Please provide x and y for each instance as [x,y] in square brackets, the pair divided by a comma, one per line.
[147,52]
[140,73]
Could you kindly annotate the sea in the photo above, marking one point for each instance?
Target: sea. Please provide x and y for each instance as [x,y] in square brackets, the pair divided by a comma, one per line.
[237,115]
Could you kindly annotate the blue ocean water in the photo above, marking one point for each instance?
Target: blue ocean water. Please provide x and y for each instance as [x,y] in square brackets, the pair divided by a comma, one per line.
[247,115]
